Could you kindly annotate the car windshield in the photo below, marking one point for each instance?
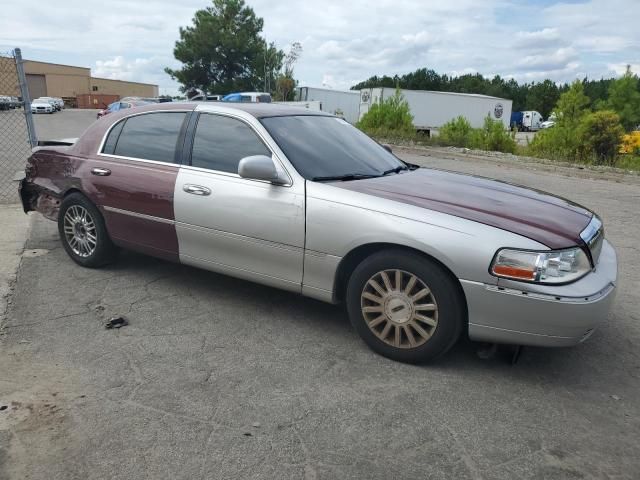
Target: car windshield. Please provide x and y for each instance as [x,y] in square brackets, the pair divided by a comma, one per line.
[323,148]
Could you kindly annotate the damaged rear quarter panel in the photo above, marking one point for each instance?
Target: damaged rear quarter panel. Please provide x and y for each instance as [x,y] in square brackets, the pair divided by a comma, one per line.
[50,174]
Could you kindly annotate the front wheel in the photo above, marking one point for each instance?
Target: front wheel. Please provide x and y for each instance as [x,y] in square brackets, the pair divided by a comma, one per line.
[405,306]
[83,232]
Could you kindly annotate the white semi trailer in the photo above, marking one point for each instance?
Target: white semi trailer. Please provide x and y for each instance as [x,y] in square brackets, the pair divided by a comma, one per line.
[345,103]
[431,110]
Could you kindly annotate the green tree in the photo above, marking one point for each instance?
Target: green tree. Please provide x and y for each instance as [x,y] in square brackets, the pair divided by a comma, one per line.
[390,115]
[493,137]
[572,106]
[285,84]
[562,142]
[456,132]
[624,99]
[223,50]
[600,135]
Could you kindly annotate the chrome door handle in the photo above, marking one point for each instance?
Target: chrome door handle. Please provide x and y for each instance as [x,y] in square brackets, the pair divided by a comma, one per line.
[101,172]
[196,189]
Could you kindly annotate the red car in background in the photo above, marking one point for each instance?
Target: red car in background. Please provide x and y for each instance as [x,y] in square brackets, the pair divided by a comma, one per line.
[121,105]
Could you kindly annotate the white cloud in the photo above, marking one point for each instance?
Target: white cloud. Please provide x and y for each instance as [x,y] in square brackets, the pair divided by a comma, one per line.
[553,61]
[621,68]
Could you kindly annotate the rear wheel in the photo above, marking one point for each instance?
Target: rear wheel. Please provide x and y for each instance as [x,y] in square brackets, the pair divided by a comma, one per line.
[405,306]
[83,233]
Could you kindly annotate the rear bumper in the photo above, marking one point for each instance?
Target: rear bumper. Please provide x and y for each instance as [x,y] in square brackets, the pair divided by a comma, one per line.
[524,314]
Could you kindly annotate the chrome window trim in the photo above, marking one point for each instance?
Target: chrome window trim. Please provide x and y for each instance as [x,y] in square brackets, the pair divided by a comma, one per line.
[136,114]
[263,136]
[142,160]
[228,112]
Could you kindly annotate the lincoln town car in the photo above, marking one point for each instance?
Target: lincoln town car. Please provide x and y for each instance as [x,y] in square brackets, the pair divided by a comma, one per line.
[303,201]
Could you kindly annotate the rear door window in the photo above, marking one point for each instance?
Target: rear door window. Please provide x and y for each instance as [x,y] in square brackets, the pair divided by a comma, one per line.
[151,136]
[221,142]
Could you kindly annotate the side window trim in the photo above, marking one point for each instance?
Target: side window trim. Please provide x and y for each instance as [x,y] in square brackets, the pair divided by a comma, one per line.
[190,134]
[178,154]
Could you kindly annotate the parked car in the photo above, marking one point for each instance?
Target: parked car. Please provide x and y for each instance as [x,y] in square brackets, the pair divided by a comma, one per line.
[120,105]
[42,106]
[547,124]
[248,97]
[418,256]
[15,102]
[147,99]
[57,103]
[207,98]
[49,100]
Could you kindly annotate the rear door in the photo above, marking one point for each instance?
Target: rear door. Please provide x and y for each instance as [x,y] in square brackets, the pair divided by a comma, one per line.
[247,228]
[132,179]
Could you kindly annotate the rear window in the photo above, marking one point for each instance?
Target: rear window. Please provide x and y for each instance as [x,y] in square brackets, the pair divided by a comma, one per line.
[152,136]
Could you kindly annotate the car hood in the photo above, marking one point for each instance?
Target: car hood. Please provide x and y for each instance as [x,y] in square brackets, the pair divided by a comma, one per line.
[540,216]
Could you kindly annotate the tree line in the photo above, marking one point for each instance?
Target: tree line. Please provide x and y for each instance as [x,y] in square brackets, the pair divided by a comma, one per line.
[540,96]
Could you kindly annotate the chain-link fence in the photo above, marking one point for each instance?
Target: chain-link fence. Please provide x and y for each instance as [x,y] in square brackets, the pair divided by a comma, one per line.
[16,126]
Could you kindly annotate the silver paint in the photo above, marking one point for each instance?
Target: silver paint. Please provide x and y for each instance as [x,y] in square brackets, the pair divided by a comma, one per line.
[256,230]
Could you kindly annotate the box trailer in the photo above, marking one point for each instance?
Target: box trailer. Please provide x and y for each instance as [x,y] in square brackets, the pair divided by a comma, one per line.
[344,103]
[431,110]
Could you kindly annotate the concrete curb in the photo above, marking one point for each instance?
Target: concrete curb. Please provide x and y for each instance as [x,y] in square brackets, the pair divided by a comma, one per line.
[13,237]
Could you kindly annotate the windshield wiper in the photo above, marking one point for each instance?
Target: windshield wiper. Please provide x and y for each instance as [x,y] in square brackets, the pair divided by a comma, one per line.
[398,169]
[344,178]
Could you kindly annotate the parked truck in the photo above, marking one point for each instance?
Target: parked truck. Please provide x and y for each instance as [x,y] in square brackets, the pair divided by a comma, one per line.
[431,110]
[344,103]
[527,121]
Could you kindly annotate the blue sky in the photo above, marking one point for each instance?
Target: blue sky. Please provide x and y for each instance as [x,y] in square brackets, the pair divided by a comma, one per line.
[345,42]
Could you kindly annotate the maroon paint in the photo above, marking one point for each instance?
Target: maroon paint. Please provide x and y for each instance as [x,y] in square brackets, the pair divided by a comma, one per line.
[133,186]
[550,220]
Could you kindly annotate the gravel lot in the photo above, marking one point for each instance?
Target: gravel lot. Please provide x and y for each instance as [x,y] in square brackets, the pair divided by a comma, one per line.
[220,378]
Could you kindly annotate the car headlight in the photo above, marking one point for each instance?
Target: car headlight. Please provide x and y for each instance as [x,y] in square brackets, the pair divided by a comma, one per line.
[556,266]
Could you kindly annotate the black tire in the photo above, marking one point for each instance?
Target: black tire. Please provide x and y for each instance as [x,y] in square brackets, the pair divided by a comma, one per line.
[445,292]
[104,251]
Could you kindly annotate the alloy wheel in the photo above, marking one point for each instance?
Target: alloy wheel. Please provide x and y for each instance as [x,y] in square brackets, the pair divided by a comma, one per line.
[80,231]
[399,308]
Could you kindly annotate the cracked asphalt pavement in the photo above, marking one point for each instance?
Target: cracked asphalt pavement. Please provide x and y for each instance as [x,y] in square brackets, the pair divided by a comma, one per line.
[217,378]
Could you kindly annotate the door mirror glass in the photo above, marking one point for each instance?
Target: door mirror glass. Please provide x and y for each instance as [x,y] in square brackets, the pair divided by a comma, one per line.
[260,167]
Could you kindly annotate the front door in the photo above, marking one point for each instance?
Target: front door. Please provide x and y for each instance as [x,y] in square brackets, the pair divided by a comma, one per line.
[246,228]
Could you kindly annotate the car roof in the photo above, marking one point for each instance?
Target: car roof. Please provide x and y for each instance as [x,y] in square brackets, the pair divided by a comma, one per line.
[260,110]
[257,110]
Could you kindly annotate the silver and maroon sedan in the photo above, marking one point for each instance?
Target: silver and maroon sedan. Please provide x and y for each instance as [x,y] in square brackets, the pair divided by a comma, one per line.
[303,201]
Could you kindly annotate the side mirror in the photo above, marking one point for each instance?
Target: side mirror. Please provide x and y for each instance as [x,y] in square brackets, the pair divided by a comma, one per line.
[261,167]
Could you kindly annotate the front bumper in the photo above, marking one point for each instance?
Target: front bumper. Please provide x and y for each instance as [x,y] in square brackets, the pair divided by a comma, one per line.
[542,315]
